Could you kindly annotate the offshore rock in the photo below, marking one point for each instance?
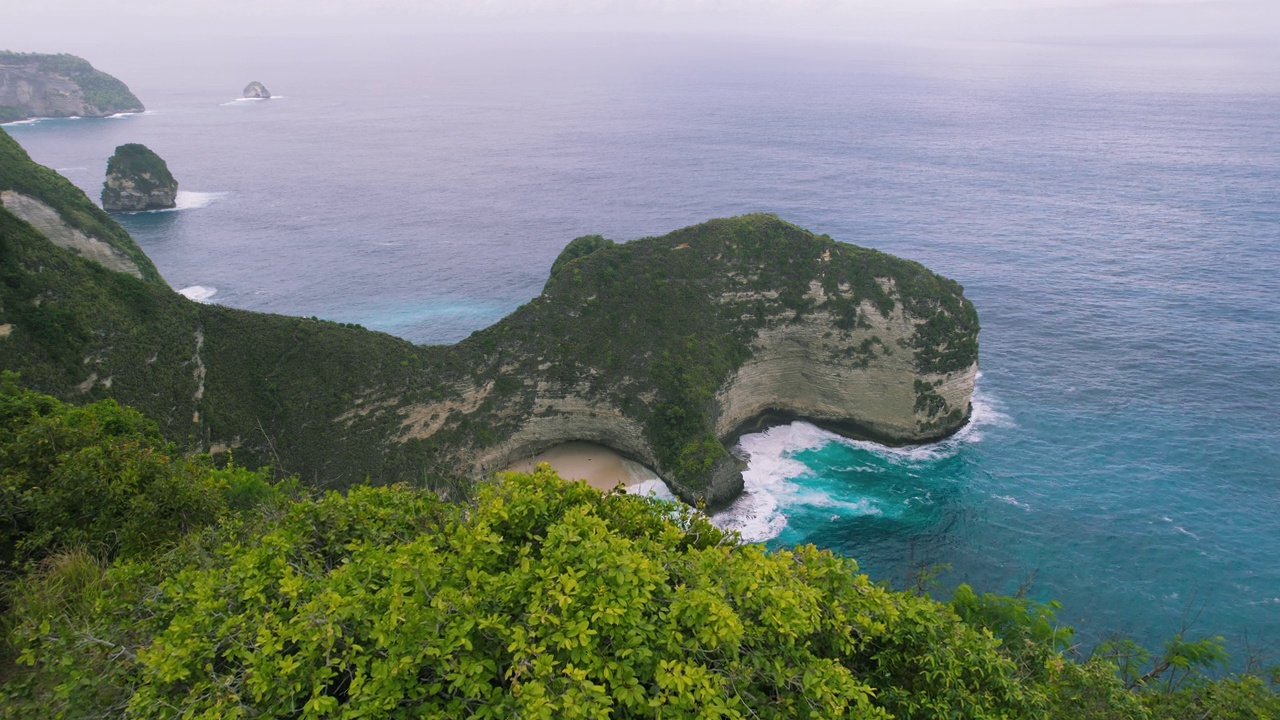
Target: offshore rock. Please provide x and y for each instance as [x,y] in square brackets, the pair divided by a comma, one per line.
[256,89]
[58,86]
[138,179]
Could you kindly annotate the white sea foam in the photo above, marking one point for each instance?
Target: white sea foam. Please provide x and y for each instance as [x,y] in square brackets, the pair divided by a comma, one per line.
[199,293]
[29,121]
[1012,501]
[655,487]
[122,115]
[189,200]
[646,482]
[769,490]
[192,200]
[757,514]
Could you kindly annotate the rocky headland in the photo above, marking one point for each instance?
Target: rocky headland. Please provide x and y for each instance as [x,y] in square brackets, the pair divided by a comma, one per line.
[58,86]
[663,349]
[256,90]
[138,179]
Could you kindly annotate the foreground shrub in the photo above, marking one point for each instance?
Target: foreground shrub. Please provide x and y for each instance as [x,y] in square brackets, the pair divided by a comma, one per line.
[98,477]
[541,598]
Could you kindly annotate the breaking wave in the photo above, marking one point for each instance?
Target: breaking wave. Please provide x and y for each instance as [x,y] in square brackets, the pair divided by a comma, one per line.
[778,484]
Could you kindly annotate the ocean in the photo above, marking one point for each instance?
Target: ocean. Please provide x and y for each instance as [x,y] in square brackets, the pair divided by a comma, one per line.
[1112,211]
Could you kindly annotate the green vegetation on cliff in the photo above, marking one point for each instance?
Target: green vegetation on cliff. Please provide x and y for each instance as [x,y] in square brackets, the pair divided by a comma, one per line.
[108,94]
[140,164]
[99,478]
[20,174]
[539,598]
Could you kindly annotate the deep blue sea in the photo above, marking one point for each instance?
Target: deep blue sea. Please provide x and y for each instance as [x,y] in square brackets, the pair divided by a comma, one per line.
[1113,212]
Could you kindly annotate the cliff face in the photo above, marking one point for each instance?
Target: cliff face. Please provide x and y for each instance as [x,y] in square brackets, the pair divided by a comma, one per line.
[33,85]
[664,349]
[51,224]
[138,179]
[864,382]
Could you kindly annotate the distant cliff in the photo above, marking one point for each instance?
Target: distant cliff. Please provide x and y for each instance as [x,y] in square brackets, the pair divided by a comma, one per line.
[138,179]
[663,348]
[34,85]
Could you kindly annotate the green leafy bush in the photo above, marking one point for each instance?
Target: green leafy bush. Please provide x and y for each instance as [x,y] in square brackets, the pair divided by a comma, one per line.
[541,598]
[100,478]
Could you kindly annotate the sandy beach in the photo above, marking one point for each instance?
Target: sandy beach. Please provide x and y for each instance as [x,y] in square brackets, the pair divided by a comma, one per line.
[600,466]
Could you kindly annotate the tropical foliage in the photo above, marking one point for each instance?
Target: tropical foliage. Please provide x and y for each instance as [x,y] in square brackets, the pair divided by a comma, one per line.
[538,598]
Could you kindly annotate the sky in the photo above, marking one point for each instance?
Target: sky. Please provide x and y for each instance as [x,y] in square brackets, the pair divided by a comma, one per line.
[29,24]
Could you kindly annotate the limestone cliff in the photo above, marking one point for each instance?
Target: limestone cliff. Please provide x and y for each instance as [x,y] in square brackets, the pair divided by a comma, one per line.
[54,227]
[663,348]
[34,85]
[666,349]
[257,90]
[138,179]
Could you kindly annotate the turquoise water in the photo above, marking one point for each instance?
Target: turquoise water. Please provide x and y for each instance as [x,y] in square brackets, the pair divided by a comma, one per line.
[1113,212]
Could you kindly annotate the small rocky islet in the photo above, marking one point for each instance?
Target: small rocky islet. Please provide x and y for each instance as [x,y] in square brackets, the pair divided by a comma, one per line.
[138,179]
[257,91]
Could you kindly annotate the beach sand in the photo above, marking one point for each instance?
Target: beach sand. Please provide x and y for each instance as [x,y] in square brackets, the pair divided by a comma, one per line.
[600,466]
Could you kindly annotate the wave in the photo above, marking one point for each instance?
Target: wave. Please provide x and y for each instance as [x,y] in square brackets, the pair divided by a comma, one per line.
[777,485]
[647,482]
[1012,501]
[199,293]
[192,200]
[251,100]
[33,121]
[185,200]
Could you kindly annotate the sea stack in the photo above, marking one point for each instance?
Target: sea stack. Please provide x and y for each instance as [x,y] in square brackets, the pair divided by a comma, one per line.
[256,89]
[138,179]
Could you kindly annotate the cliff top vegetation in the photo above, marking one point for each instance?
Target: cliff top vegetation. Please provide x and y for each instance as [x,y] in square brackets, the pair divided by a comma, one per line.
[142,165]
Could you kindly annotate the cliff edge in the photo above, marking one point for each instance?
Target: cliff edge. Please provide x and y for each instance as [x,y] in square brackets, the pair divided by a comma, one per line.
[58,86]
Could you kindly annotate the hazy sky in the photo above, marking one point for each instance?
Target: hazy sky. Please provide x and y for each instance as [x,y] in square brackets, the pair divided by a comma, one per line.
[39,22]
